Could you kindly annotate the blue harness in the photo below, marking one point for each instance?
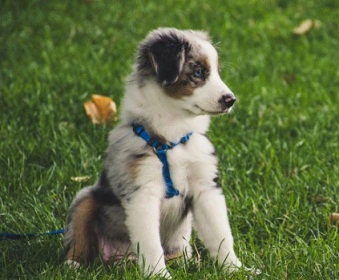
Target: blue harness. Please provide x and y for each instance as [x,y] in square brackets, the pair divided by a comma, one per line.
[160,150]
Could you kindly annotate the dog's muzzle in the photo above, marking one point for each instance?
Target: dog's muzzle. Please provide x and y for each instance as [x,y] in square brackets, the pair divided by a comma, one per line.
[226,101]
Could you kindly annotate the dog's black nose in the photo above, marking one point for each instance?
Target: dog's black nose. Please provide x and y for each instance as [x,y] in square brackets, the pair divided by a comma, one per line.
[227,100]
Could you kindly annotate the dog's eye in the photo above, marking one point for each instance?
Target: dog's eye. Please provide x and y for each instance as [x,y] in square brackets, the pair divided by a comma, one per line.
[198,73]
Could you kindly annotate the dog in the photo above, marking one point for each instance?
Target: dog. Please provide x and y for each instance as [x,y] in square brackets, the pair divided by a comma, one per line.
[160,173]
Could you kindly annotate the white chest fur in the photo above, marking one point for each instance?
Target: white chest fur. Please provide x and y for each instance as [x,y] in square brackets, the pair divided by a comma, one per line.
[192,165]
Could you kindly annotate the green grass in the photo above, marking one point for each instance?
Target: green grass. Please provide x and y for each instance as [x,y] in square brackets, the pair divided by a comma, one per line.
[278,151]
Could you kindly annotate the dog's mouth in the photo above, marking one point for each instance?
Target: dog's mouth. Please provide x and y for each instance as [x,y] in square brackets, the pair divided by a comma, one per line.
[214,113]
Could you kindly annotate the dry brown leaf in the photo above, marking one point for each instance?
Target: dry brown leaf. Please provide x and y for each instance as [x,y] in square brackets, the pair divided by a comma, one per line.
[334,218]
[101,109]
[306,26]
[80,179]
[92,112]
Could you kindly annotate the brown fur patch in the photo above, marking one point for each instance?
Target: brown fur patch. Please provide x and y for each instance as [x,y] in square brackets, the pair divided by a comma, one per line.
[84,247]
[180,88]
[187,82]
[135,164]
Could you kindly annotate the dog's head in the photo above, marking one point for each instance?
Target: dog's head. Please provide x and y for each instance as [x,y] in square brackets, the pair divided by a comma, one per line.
[185,65]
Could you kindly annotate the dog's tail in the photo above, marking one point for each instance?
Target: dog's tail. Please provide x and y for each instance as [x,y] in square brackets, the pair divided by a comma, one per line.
[81,238]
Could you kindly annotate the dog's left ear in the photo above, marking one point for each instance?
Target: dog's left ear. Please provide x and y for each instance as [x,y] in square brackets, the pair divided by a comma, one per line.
[167,56]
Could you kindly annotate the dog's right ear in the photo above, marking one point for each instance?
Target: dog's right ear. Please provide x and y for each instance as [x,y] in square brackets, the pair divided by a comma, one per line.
[167,56]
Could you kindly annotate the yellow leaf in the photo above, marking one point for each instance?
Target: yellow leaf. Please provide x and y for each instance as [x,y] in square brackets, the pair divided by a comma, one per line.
[80,179]
[306,26]
[92,112]
[101,109]
[334,218]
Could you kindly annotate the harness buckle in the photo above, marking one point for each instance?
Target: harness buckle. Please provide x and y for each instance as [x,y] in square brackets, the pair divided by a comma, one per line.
[160,148]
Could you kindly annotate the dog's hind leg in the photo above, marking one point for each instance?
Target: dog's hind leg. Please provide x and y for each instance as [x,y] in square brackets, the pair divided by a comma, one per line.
[81,239]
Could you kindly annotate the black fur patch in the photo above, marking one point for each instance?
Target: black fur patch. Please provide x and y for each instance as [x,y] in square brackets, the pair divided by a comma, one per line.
[103,194]
[105,197]
[163,54]
[188,205]
[103,180]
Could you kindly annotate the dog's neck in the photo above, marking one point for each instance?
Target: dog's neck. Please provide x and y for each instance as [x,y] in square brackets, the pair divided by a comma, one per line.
[159,113]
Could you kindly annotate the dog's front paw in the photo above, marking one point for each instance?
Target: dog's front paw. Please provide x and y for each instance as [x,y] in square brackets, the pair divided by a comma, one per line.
[232,265]
[165,274]
[156,270]
[253,271]
[236,265]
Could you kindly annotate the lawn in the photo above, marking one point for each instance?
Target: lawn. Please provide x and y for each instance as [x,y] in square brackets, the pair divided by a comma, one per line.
[278,150]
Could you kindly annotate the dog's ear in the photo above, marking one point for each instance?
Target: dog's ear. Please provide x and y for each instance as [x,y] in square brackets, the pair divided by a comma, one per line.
[167,56]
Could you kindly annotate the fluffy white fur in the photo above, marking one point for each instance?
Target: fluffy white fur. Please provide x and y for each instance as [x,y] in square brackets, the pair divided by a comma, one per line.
[156,224]
[192,169]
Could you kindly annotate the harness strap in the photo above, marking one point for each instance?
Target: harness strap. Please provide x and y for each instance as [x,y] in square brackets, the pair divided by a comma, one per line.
[160,150]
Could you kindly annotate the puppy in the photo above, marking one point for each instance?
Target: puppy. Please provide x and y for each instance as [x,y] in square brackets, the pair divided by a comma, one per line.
[160,173]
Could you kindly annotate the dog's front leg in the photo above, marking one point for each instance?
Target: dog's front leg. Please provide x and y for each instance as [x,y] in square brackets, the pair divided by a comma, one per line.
[143,222]
[211,221]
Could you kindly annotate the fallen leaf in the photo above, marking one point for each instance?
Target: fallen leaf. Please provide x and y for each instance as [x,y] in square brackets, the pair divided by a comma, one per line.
[303,27]
[92,112]
[306,26]
[334,218]
[80,179]
[101,109]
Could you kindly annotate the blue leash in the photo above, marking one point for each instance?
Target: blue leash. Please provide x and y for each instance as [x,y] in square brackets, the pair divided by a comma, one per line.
[16,236]
[160,149]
